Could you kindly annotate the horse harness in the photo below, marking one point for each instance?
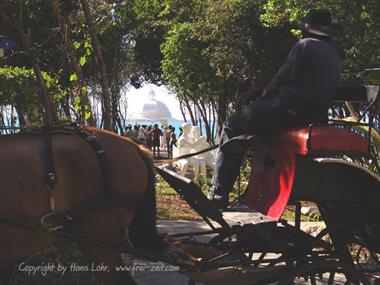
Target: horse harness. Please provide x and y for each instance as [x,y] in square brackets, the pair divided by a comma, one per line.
[107,197]
[54,222]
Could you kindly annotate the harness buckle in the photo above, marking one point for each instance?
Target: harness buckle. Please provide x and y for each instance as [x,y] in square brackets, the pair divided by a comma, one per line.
[68,217]
[45,221]
[91,138]
[50,177]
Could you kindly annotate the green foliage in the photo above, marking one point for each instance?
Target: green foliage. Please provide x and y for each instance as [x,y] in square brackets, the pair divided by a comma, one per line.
[185,65]
[82,60]
[77,106]
[73,77]
[361,25]
[18,85]
[163,188]
[375,150]
[242,182]
[39,23]
[223,50]
[19,89]
[373,76]
[204,49]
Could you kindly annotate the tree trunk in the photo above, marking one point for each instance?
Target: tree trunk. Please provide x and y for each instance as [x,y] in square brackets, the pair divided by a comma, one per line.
[188,107]
[106,91]
[195,114]
[213,123]
[51,117]
[222,111]
[182,110]
[71,54]
[21,117]
[66,107]
[116,122]
[203,114]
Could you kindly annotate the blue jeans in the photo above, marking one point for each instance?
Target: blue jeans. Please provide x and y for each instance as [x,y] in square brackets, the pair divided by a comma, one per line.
[265,116]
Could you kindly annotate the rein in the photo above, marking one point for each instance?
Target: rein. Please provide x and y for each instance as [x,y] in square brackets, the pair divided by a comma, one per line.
[122,248]
[185,156]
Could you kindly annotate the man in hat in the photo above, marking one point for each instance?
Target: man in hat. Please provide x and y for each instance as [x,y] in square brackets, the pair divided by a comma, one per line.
[300,93]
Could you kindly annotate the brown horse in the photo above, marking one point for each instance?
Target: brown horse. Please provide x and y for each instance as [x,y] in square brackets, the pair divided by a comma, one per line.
[24,196]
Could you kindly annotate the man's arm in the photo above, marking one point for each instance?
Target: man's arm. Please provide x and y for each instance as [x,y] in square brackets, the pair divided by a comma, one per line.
[273,87]
[288,71]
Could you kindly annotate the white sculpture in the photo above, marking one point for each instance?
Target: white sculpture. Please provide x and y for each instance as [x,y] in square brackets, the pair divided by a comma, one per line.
[191,141]
[204,159]
[185,145]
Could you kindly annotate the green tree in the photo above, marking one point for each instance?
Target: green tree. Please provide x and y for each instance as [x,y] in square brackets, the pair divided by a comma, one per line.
[20,90]
[223,51]
[360,44]
[17,18]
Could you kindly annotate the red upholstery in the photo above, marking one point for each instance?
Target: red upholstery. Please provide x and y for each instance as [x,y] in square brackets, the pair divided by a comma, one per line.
[269,191]
[323,139]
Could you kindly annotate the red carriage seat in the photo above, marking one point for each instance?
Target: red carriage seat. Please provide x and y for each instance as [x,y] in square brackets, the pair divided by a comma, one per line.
[322,140]
[269,190]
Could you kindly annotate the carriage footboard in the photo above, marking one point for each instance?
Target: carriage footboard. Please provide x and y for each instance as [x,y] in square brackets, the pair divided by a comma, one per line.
[193,195]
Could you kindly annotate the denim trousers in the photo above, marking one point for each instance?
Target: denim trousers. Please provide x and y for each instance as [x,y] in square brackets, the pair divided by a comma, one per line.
[265,116]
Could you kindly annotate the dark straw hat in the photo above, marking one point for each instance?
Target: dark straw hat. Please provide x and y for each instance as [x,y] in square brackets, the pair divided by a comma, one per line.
[318,22]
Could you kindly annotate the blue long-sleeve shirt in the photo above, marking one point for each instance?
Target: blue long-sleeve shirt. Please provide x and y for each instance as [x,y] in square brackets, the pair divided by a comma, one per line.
[311,72]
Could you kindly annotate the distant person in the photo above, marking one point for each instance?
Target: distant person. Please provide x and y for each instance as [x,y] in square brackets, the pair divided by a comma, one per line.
[149,139]
[156,135]
[172,142]
[128,131]
[136,131]
[169,131]
[142,135]
[164,137]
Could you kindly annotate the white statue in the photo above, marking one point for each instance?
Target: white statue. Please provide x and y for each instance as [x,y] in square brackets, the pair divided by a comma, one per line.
[204,159]
[191,141]
[185,145]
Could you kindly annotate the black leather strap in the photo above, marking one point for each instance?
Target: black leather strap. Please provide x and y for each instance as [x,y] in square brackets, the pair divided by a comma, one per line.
[108,196]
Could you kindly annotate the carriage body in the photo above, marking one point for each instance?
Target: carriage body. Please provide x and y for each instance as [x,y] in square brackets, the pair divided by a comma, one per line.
[316,164]
[304,164]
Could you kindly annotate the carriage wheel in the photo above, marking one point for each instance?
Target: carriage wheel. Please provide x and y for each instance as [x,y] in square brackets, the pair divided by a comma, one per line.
[323,272]
[365,259]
